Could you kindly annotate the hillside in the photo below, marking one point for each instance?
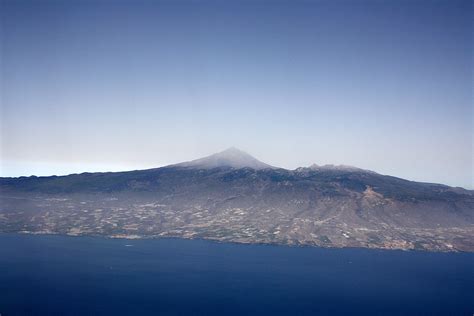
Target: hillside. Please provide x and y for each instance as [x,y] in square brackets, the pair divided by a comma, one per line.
[231,196]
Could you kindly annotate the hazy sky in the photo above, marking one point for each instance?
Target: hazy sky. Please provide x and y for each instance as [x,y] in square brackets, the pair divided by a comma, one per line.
[117,85]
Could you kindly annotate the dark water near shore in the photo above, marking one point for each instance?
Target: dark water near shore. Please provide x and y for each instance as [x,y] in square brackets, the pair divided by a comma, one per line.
[54,275]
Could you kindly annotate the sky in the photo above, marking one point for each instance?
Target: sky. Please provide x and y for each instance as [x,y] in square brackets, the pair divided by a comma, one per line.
[120,85]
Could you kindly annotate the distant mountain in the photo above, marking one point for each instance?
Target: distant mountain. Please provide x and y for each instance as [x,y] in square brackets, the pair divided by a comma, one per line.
[232,157]
[315,167]
[231,196]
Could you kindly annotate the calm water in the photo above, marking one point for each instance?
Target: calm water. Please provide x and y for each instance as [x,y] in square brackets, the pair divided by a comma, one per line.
[53,275]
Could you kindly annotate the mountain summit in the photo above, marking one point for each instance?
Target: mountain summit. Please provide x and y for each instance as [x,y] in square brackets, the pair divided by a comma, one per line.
[231,196]
[231,157]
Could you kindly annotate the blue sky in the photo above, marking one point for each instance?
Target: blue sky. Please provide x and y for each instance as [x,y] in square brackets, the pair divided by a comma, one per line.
[118,85]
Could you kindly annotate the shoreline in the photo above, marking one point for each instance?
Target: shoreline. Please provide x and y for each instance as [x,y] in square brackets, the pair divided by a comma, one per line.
[157,237]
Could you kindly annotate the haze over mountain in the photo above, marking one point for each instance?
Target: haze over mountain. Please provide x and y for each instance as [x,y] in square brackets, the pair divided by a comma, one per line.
[231,157]
[232,196]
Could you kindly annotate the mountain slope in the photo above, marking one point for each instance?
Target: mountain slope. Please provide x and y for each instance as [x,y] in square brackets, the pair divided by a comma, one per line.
[222,197]
[231,157]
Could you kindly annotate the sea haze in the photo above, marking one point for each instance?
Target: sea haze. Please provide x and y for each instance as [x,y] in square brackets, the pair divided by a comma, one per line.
[60,275]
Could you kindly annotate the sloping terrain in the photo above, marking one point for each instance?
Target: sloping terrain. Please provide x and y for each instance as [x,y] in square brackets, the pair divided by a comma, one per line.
[222,198]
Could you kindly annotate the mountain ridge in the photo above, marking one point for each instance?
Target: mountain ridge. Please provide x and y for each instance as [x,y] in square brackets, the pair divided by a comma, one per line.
[225,199]
[218,160]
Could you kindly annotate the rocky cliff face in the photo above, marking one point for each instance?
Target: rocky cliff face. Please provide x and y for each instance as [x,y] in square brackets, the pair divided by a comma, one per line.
[231,196]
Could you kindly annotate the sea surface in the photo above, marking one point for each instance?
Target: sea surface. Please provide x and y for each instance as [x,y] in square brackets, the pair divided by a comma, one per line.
[58,275]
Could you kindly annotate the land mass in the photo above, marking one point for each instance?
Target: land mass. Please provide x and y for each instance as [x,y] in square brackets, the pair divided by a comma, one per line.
[231,196]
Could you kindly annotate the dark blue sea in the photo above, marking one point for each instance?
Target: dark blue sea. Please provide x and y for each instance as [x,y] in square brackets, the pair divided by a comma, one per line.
[55,275]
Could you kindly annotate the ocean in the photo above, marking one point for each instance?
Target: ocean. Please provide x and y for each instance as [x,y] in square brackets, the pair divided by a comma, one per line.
[60,275]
